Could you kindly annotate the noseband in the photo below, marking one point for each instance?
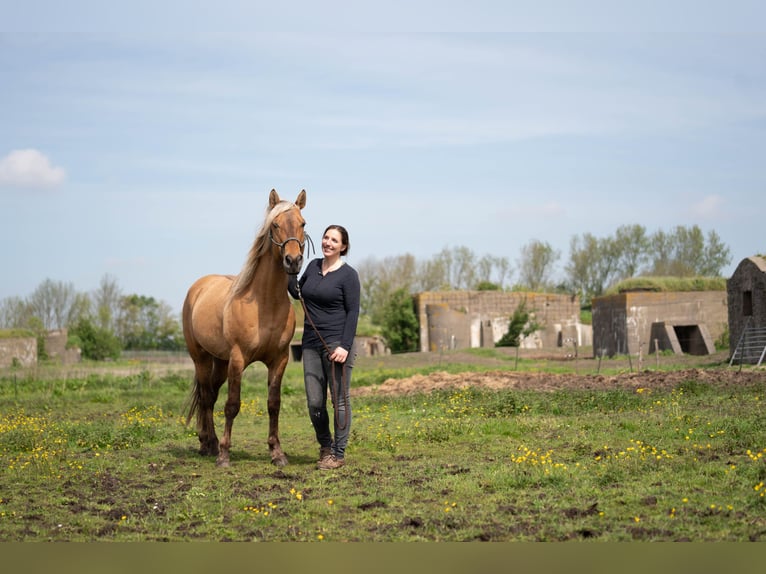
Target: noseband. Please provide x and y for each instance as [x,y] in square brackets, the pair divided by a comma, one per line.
[300,243]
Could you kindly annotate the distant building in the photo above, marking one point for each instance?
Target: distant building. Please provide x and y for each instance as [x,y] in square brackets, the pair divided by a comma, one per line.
[22,351]
[467,319]
[647,321]
[18,351]
[746,291]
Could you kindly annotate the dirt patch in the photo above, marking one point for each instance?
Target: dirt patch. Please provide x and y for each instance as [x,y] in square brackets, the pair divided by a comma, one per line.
[500,380]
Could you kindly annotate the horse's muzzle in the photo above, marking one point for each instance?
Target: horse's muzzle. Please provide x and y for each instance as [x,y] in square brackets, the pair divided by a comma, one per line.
[292,264]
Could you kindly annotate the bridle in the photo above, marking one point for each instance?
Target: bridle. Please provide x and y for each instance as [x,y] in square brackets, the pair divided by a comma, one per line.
[300,243]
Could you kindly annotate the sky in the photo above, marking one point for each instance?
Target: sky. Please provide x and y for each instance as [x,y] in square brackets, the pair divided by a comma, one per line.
[140,142]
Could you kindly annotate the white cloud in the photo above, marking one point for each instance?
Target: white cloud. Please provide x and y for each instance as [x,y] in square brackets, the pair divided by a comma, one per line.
[29,168]
[707,207]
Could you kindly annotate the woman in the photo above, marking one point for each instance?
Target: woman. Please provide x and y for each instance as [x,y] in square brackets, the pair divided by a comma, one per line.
[330,292]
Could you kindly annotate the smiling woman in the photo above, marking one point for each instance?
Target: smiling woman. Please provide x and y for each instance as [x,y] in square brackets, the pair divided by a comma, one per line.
[329,291]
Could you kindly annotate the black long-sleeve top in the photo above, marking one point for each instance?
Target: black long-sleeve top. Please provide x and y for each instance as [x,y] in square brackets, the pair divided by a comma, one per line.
[332,301]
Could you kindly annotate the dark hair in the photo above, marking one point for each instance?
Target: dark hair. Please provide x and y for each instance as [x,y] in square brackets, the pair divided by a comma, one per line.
[343,236]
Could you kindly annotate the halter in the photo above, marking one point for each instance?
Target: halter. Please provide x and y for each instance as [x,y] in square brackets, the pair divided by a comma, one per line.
[300,243]
[288,240]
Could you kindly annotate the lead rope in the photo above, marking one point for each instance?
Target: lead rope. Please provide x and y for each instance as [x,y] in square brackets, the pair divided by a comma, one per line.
[333,392]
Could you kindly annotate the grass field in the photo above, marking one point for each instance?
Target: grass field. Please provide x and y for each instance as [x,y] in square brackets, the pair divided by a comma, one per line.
[95,453]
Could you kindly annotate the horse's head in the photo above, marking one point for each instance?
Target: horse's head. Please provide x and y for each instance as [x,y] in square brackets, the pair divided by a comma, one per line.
[287,232]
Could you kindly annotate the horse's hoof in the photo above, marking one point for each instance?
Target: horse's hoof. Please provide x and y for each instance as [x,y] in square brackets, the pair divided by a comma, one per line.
[222,462]
[279,461]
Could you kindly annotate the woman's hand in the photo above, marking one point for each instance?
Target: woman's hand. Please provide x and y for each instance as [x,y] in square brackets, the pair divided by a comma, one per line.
[339,355]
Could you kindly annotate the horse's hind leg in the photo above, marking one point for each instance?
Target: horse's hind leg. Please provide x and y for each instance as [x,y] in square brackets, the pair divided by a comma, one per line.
[278,457]
[210,375]
[233,401]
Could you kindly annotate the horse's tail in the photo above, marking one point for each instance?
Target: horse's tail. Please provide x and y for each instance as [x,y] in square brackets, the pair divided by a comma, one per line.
[192,403]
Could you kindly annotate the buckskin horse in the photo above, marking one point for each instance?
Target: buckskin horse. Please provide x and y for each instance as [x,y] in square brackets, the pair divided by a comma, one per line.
[231,321]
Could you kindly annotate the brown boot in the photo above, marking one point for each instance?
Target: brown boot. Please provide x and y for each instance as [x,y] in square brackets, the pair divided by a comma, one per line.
[331,462]
[324,452]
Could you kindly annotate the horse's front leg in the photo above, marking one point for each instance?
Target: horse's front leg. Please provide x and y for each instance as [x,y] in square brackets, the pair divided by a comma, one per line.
[276,370]
[233,401]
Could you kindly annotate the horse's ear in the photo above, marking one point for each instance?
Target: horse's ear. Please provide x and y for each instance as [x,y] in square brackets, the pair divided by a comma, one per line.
[301,201]
[273,198]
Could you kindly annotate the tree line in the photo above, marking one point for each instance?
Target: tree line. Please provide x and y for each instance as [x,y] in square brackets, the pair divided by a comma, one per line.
[102,323]
[593,266]
[106,321]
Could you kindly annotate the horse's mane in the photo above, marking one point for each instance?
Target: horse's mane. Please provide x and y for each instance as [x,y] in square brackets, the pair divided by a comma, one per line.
[260,247]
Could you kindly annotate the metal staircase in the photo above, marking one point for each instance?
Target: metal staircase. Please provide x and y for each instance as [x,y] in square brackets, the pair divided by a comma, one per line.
[751,347]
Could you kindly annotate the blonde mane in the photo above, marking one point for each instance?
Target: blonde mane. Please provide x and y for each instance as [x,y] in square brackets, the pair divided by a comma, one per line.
[260,247]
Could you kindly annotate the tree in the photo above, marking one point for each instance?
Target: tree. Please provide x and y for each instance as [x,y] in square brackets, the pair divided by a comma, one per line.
[399,323]
[591,265]
[520,325]
[14,313]
[685,252]
[432,276]
[95,343]
[379,279]
[536,265]
[107,299]
[52,302]
[716,255]
[460,266]
[147,324]
[494,270]
[632,246]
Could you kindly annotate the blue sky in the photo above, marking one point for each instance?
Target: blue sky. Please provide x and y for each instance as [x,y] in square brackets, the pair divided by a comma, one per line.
[141,142]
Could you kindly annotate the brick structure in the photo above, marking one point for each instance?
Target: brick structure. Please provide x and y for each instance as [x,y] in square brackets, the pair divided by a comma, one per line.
[465,319]
[641,321]
[55,347]
[746,290]
[24,350]
[21,351]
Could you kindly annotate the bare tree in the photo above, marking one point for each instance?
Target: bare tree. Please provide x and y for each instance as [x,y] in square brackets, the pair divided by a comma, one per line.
[107,300]
[536,265]
[379,279]
[432,276]
[14,313]
[51,303]
[496,270]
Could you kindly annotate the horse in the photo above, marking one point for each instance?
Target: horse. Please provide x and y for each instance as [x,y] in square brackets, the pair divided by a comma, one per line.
[231,321]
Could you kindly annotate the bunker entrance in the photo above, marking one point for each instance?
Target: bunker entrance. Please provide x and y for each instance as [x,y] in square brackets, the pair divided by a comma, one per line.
[691,339]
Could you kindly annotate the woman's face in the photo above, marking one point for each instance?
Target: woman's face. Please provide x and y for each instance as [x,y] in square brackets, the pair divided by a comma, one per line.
[332,243]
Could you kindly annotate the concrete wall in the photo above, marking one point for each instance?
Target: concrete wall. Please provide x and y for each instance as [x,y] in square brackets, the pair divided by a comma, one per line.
[55,347]
[23,349]
[746,290]
[628,322]
[466,319]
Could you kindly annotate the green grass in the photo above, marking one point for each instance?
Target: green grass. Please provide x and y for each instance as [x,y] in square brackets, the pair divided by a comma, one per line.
[108,457]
